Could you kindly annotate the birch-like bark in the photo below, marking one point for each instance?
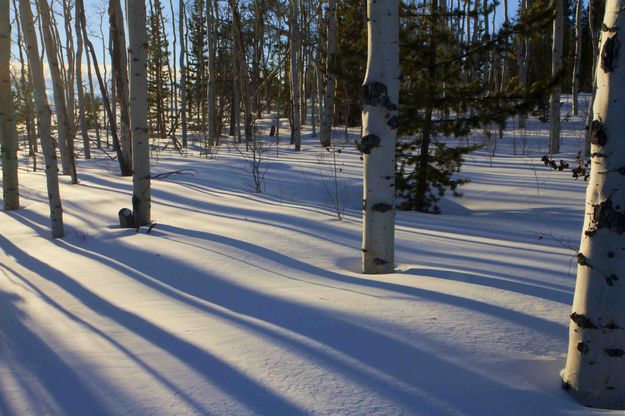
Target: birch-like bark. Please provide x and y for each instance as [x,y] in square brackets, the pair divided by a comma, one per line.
[327,120]
[522,60]
[302,66]
[578,54]
[96,116]
[210,90]
[174,74]
[294,75]
[120,76]
[556,69]
[319,88]
[183,73]
[65,123]
[595,367]
[243,73]
[68,68]
[379,129]
[504,58]
[80,87]
[137,36]
[26,85]
[123,166]
[595,57]
[8,131]
[44,115]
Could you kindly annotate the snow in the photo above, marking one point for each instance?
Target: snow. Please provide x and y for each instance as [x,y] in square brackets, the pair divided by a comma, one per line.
[239,303]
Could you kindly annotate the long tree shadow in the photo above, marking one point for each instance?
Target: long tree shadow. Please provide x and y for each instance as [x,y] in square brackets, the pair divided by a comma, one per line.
[412,366]
[299,267]
[563,297]
[230,380]
[49,382]
[33,288]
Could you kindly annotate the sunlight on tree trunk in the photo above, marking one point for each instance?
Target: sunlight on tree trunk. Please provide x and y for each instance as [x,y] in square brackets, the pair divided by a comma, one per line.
[137,36]
[8,132]
[595,367]
[44,116]
[379,130]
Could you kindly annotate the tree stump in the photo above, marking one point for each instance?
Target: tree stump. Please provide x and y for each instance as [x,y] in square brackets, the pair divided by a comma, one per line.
[126,218]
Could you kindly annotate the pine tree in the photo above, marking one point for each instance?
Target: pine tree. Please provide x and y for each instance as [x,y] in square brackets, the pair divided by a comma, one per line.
[448,91]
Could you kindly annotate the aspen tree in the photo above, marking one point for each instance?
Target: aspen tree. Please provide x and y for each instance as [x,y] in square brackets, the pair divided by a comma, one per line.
[210,90]
[595,55]
[379,129]
[8,132]
[595,366]
[556,69]
[44,117]
[124,165]
[242,74]
[137,36]
[504,60]
[120,75]
[65,124]
[173,75]
[80,87]
[26,86]
[96,116]
[327,119]
[523,54]
[294,75]
[183,73]
[578,54]
[68,69]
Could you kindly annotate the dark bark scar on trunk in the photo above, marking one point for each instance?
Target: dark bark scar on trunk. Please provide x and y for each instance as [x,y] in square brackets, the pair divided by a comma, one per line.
[609,53]
[376,94]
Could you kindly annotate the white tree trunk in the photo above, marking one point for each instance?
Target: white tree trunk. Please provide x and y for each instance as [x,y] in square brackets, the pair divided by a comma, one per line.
[595,57]
[183,73]
[94,111]
[319,89]
[137,35]
[120,76]
[578,54]
[294,74]
[8,132]
[68,70]
[44,117]
[327,119]
[556,68]
[595,367]
[379,129]
[522,58]
[65,124]
[210,90]
[80,87]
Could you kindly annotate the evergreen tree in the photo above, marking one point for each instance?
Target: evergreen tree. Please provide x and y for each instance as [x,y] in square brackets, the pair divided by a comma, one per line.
[447,90]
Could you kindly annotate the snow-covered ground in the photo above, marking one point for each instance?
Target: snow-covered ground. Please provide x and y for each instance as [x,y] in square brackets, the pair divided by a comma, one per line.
[240,303]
